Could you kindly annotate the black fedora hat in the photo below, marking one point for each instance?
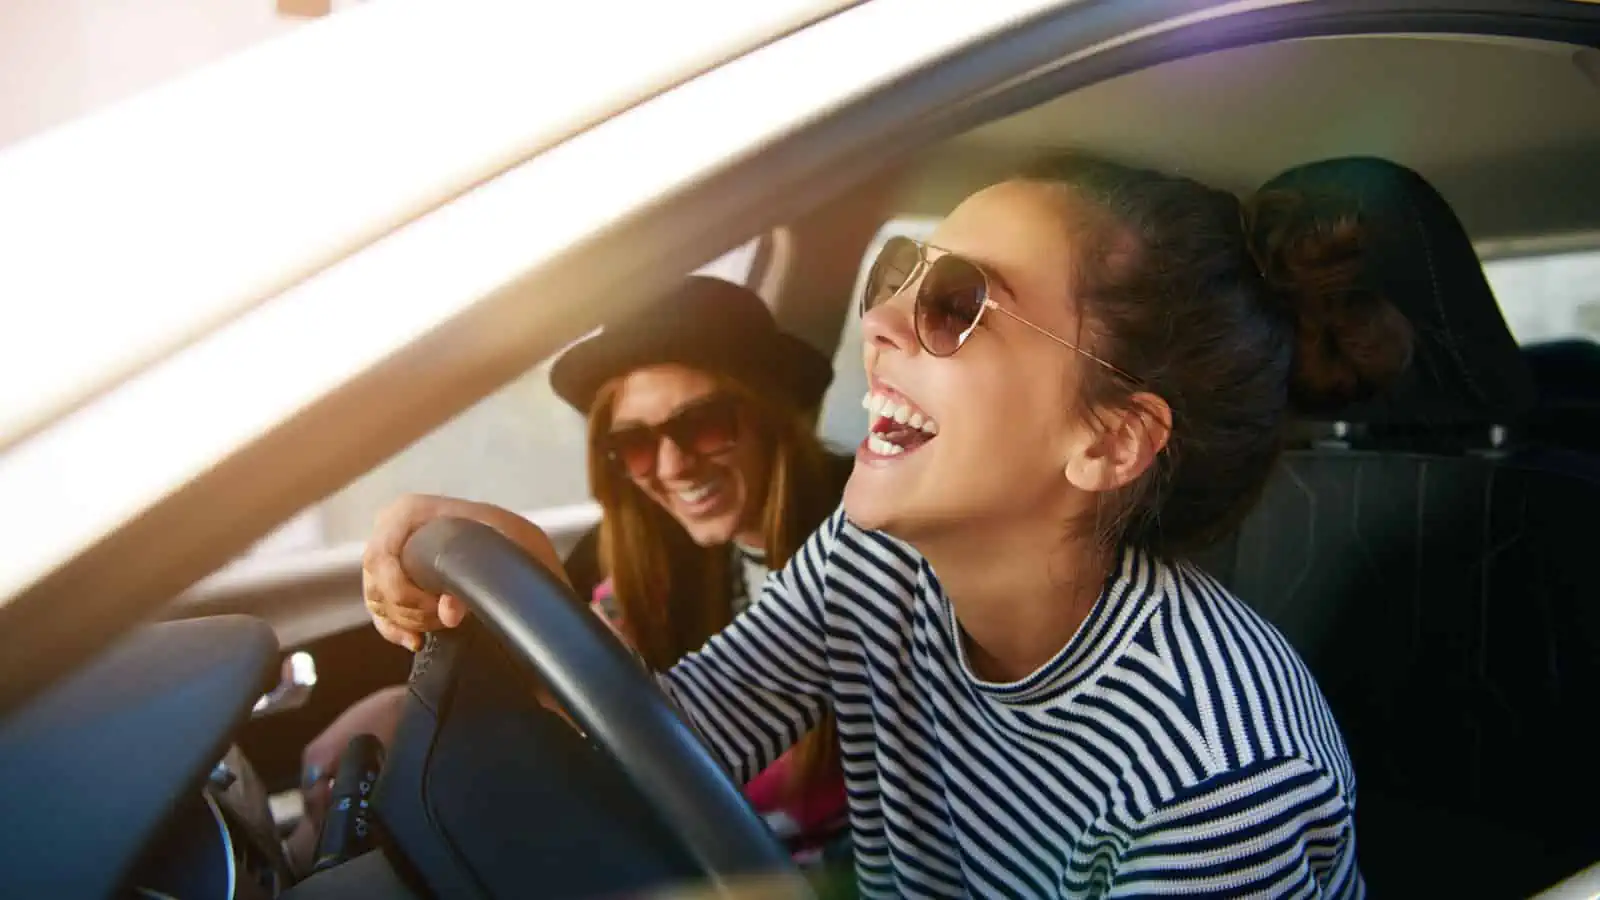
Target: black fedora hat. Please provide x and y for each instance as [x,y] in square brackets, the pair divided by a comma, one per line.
[707,324]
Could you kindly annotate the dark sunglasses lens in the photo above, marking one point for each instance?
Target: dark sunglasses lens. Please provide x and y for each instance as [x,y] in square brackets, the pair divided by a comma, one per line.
[895,265]
[634,449]
[708,428]
[949,302]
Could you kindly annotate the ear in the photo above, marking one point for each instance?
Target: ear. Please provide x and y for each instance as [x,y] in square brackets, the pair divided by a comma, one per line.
[1122,445]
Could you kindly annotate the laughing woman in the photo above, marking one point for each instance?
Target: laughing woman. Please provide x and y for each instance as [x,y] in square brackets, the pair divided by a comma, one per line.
[1036,695]
[704,459]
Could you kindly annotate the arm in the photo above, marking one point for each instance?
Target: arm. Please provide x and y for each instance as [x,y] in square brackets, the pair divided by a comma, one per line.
[751,691]
[755,688]
[1278,828]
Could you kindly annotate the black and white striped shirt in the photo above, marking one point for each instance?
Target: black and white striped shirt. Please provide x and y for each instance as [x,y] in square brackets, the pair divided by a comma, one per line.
[1175,746]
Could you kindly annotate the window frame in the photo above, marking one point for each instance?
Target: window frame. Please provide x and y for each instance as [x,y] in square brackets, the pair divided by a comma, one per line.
[1533,319]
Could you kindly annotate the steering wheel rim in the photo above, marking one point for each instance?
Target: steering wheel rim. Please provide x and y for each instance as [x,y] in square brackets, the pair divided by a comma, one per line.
[602,686]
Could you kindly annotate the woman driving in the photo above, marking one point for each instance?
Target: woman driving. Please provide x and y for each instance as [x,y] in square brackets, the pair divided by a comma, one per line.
[1083,376]
[704,459]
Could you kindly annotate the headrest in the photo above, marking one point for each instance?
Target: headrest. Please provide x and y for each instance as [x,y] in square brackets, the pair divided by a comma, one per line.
[1565,371]
[1567,375]
[1466,369]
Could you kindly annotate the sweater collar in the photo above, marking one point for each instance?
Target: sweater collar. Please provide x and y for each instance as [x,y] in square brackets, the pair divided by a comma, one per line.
[1133,589]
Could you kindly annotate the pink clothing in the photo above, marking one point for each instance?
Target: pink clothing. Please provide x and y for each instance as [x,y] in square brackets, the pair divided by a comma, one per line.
[804,820]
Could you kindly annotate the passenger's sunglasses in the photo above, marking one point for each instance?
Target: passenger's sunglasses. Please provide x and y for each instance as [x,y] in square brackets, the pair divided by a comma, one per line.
[705,428]
[953,293]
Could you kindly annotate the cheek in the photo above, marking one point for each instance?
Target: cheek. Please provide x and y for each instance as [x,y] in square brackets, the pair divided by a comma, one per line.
[977,398]
[1001,410]
[650,489]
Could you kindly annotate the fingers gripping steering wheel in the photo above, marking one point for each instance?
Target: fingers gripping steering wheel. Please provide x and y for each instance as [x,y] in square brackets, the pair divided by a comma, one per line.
[613,700]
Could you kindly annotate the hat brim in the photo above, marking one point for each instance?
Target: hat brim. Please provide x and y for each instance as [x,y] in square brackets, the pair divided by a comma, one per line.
[774,363]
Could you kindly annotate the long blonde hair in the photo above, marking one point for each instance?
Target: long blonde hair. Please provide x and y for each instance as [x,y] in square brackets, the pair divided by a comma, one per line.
[674,594]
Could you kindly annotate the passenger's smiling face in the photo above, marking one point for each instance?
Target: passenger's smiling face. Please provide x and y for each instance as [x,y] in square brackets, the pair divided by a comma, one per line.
[692,447]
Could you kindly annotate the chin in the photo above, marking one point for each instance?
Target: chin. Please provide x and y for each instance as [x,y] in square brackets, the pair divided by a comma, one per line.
[712,533]
[869,507]
[909,516]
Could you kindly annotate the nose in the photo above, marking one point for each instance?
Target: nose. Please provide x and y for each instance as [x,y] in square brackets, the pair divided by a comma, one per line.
[891,324]
[671,461]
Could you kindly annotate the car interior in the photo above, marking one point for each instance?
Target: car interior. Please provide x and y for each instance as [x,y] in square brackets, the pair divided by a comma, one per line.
[1422,558]
[1424,551]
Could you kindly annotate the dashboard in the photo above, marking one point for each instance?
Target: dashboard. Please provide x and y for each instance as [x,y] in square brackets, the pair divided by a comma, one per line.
[221,843]
[121,779]
[124,779]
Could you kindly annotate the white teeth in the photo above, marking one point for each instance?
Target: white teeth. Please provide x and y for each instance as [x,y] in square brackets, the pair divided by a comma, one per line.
[886,407]
[697,493]
[882,447]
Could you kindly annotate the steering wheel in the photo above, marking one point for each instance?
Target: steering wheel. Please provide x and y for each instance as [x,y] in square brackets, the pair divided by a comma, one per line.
[549,638]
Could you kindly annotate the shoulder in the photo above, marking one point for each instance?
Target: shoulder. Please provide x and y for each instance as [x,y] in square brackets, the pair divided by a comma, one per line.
[1277,787]
[860,565]
[1235,691]
[1246,830]
[1273,822]
[1248,651]
[863,552]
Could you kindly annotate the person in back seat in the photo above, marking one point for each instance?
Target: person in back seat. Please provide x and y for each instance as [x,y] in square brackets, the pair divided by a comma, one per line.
[1084,374]
[704,458]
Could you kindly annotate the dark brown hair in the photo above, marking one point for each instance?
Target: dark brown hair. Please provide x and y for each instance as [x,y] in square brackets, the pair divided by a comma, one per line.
[1235,314]
[674,594]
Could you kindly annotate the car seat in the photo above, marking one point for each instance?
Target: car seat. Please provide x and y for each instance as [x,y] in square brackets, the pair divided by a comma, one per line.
[1436,581]
[1567,376]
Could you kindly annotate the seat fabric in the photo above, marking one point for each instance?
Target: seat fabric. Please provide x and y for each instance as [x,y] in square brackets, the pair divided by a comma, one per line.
[1438,581]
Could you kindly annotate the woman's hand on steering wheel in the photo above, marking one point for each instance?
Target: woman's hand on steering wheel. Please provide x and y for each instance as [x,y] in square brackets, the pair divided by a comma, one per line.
[403,612]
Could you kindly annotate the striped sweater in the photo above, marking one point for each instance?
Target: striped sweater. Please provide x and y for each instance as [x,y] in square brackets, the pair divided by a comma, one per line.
[1175,746]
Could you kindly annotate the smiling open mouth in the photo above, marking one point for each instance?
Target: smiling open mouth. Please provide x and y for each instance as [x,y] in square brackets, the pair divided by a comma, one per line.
[897,426]
[700,493]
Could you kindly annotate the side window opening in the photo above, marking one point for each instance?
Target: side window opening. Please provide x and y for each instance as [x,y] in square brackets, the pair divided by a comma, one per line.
[521,448]
[1548,297]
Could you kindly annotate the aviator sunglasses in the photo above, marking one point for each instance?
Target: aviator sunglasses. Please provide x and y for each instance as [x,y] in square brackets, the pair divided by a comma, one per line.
[704,428]
[953,293]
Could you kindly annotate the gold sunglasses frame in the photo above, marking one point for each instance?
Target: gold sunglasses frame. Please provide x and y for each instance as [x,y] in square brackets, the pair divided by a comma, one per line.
[924,263]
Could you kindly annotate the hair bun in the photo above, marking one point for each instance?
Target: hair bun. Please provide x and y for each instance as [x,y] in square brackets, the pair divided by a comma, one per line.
[1350,342]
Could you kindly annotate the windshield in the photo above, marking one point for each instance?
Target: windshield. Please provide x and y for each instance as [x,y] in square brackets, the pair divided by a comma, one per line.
[232,183]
